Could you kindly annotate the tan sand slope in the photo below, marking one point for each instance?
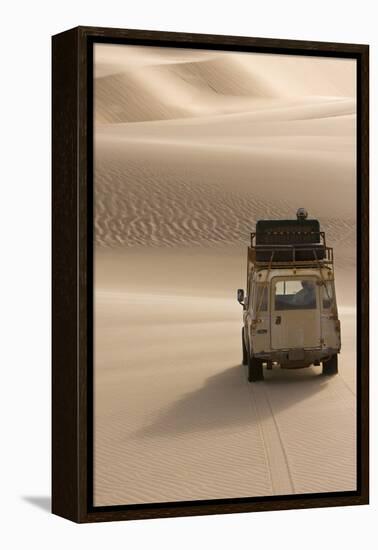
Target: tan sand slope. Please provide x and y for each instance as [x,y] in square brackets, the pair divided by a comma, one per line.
[156,86]
[188,89]
[175,416]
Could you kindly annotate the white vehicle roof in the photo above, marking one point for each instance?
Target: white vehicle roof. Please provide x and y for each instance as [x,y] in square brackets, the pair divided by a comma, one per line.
[263,275]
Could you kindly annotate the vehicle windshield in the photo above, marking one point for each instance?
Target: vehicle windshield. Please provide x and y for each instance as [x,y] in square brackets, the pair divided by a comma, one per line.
[294,294]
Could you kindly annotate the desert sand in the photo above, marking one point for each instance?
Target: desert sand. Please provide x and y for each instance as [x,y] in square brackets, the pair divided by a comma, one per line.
[191,148]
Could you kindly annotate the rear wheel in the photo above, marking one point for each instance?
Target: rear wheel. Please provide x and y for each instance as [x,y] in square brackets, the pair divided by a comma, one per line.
[255,370]
[244,348]
[330,367]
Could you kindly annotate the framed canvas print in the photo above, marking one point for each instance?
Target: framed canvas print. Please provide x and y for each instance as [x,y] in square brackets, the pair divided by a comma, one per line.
[210,274]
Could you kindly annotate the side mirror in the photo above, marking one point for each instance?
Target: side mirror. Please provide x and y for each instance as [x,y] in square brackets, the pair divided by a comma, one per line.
[240,296]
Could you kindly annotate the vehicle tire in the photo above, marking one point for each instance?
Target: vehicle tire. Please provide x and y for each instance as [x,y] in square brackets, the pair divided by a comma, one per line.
[244,348]
[255,369]
[330,367]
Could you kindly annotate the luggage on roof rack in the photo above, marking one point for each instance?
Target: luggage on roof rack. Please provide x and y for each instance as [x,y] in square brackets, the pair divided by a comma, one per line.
[287,232]
[289,240]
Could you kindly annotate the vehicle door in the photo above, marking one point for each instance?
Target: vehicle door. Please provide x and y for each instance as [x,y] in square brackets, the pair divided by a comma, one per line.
[295,313]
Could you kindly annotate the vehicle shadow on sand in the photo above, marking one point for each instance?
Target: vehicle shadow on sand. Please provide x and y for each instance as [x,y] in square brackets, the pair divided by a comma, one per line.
[227,399]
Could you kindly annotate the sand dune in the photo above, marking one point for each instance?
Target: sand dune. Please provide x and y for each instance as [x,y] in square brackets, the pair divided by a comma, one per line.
[276,154]
[189,90]
[191,148]
[112,59]
[218,142]
[211,84]
[170,185]
[122,98]
[288,75]
[199,81]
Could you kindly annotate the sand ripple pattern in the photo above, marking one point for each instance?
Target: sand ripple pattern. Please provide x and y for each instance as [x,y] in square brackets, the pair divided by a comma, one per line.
[138,205]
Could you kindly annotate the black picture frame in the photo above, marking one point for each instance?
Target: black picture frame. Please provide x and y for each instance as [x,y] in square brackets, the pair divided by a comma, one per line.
[72,273]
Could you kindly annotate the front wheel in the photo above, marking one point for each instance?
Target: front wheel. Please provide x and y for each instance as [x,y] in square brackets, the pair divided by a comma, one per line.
[330,367]
[244,349]
[255,370]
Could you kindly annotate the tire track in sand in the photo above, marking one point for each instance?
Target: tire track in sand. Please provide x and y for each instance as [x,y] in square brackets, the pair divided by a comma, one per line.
[278,463]
[308,425]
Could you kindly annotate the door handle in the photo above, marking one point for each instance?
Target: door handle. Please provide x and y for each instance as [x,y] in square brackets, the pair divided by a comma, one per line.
[278,320]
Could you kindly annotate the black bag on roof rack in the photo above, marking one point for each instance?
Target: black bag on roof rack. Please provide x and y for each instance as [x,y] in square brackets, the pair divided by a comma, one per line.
[302,235]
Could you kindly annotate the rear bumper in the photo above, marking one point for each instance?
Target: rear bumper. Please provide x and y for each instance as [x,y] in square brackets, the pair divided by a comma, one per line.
[297,356]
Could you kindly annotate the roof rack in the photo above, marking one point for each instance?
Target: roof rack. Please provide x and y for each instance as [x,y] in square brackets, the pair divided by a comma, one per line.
[282,249]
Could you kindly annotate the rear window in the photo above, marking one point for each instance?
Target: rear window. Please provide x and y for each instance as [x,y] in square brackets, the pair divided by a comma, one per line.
[294,294]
